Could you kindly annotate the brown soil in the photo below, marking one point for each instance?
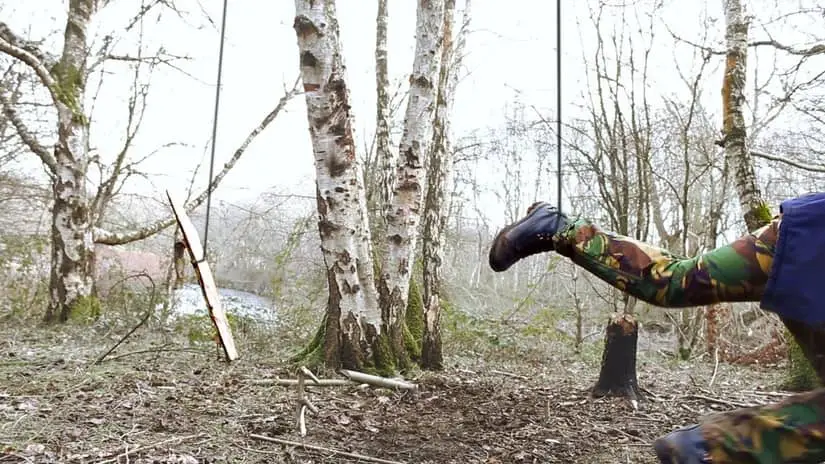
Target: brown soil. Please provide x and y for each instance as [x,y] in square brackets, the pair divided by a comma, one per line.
[166,402]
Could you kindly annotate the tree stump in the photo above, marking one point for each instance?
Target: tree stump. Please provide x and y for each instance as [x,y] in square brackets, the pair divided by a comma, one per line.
[618,371]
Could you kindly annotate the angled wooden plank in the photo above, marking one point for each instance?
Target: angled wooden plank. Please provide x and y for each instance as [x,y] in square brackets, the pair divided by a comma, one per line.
[205,278]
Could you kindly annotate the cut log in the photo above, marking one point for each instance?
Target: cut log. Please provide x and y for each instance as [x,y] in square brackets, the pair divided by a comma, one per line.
[618,372]
[205,278]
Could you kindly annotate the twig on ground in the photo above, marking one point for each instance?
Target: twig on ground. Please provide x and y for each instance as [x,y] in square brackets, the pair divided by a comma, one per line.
[158,350]
[768,393]
[323,449]
[293,382]
[123,339]
[509,374]
[377,381]
[734,404]
[127,452]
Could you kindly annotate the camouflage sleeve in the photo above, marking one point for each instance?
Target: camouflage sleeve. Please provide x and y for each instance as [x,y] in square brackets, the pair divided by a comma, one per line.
[791,431]
[734,272]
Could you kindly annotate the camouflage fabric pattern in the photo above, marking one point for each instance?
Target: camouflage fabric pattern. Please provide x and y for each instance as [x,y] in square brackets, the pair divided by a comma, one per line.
[735,272]
[792,431]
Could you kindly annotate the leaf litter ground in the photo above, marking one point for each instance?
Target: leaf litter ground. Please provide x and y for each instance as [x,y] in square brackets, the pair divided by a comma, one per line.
[158,399]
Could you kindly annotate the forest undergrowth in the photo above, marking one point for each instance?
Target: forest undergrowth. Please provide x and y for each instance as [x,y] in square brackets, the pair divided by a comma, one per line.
[507,395]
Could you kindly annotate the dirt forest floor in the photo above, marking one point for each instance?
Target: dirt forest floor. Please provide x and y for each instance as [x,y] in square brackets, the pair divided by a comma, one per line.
[157,399]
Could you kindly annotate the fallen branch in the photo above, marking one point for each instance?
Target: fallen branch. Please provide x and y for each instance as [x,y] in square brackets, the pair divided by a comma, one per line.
[376,381]
[509,374]
[159,350]
[710,399]
[323,449]
[123,339]
[127,452]
[139,324]
[293,382]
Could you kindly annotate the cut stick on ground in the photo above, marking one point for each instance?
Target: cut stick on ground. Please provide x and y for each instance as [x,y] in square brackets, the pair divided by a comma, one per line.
[303,401]
[377,381]
[205,278]
[323,449]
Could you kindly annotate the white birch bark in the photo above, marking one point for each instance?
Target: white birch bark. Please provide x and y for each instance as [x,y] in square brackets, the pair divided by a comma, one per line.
[735,138]
[439,171]
[383,151]
[404,214]
[72,272]
[342,214]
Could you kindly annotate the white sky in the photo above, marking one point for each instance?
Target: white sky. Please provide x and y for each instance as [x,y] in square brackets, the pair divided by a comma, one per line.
[512,47]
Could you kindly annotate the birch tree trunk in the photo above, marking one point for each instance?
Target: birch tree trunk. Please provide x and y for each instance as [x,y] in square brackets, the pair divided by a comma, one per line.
[353,319]
[735,139]
[756,211]
[405,207]
[72,281]
[439,170]
[385,156]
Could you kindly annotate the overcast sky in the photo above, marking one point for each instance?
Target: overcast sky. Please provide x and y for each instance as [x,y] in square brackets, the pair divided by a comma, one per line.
[511,49]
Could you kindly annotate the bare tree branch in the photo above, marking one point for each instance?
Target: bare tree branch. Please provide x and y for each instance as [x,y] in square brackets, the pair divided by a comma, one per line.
[789,162]
[25,133]
[818,49]
[29,54]
[111,238]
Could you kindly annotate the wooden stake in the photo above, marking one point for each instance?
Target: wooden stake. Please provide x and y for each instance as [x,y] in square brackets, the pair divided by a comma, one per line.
[376,381]
[205,278]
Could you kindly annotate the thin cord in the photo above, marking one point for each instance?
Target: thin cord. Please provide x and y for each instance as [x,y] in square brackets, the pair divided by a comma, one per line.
[558,99]
[215,127]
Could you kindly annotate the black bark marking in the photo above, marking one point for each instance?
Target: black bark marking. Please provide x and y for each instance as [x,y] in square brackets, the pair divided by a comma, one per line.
[337,166]
[308,59]
[326,228]
[304,27]
[421,81]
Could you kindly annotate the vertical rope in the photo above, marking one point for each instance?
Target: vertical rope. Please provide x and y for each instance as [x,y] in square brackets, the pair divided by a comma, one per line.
[215,127]
[558,100]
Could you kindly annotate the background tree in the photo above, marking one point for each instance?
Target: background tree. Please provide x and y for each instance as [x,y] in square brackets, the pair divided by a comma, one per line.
[78,215]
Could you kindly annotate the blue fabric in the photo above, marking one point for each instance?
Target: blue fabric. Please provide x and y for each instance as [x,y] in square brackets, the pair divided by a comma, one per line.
[683,446]
[796,285]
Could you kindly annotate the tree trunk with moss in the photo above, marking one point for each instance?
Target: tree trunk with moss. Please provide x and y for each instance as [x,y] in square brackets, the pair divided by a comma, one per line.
[72,272]
[436,203]
[755,209]
[404,212]
[352,335]
[735,140]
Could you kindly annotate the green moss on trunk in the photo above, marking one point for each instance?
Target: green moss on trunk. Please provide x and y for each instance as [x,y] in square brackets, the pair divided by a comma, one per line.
[801,376]
[386,357]
[414,322]
[313,354]
[69,81]
[85,309]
